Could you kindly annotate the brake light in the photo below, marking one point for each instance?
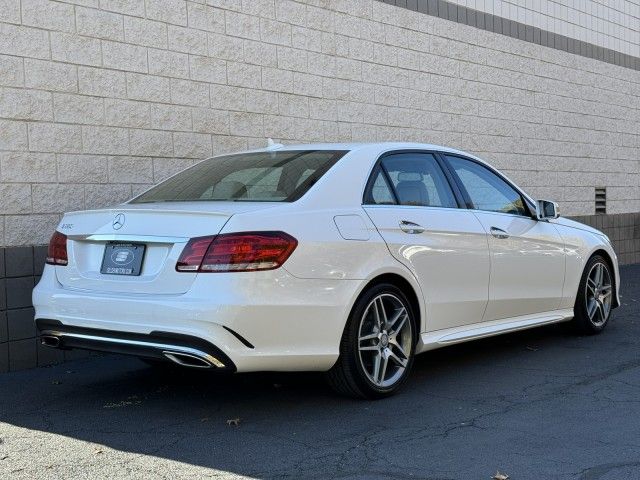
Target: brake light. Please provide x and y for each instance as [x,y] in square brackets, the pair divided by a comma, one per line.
[236,252]
[57,251]
[193,253]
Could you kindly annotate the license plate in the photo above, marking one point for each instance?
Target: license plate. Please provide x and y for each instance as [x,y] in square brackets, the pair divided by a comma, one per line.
[122,259]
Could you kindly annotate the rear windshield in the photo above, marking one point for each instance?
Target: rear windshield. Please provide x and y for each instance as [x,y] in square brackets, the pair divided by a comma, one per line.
[280,176]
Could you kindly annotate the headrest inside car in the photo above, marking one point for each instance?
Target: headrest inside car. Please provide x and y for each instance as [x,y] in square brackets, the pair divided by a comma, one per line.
[409,177]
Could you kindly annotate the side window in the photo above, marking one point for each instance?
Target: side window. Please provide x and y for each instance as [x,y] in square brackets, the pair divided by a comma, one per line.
[418,180]
[486,189]
[380,193]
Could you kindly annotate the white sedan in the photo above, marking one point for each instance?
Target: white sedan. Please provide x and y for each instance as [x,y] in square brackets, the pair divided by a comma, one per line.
[344,258]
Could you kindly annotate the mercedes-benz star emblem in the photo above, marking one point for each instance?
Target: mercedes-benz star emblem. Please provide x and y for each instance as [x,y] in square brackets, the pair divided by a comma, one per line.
[118,222]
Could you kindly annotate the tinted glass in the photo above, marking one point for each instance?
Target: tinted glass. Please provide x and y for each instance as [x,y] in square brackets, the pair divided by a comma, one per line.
[418,180]
[486,189]
[380,192]
[281,176]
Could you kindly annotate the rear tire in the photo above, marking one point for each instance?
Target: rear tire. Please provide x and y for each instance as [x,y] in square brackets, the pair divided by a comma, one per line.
[594,301]
[378,345]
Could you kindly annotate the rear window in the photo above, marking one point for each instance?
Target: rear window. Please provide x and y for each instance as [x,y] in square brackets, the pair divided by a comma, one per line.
[279,176]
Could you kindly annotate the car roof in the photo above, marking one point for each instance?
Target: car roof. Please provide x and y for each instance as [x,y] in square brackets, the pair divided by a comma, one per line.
[382,147]
[353,146]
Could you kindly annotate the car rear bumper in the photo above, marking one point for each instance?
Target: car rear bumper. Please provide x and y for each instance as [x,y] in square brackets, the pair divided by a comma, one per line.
[256,321]
[184,350]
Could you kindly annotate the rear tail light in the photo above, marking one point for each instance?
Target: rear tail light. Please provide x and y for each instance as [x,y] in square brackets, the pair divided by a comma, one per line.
[57,251]
[236,252]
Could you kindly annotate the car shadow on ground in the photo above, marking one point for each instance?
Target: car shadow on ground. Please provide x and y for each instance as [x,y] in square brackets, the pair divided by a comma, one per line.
[513,402]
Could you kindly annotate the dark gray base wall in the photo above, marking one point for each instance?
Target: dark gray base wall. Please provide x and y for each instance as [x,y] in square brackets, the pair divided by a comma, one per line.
[21,267]
[20,270]
[624,231]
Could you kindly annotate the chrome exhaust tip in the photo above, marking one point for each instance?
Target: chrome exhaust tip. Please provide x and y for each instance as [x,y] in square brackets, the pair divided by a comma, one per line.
[187,359]
[50,341]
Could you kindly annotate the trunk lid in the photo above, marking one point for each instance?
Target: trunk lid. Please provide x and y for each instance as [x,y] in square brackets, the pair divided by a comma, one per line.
[163,228]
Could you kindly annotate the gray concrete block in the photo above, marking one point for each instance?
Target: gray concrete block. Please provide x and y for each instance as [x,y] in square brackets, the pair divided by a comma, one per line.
[528,33]
[19,261]
[452,12]
[39,256]
[3,294]
[4,357]
[4,332]
[472,17]
[432,7]
[18,292]
[20,324]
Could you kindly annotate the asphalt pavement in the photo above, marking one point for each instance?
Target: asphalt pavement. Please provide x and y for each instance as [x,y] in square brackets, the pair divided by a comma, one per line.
[540,404]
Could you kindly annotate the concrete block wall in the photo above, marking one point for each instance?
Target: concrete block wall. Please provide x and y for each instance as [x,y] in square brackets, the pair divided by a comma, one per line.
[101,98]
[614,24]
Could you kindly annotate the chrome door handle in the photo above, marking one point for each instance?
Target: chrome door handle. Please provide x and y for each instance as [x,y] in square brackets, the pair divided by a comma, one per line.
[410,227]
[499,233]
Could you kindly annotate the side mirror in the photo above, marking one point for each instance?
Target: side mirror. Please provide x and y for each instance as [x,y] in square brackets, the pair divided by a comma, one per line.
[547,210]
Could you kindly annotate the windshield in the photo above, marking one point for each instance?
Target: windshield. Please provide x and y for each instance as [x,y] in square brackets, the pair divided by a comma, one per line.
[280,176]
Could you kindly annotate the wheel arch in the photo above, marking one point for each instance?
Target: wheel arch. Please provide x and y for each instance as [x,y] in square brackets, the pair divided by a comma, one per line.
[407,288]
[607,257]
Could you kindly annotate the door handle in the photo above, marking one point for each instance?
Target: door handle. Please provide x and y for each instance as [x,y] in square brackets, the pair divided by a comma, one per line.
[499,233]
[410,227]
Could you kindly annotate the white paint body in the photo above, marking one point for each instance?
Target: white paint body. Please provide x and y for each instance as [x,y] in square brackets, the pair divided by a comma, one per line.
[468,283]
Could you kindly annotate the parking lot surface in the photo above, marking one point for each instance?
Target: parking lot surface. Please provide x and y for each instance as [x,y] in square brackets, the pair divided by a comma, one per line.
[540,404]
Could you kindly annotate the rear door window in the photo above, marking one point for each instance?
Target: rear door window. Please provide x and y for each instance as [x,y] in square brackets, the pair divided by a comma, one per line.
[413,178]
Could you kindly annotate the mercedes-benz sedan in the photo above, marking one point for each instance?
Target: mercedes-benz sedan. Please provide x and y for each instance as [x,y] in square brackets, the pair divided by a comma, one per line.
[344,258]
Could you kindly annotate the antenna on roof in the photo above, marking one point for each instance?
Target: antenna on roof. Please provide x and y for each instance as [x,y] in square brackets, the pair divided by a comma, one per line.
[271,145]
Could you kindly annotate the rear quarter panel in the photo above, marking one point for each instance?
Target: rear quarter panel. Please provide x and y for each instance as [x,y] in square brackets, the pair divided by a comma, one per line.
[323,251]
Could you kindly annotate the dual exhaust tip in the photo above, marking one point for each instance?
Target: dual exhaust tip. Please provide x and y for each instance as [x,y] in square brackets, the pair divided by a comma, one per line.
[192,360]
[188,360]
[50,341]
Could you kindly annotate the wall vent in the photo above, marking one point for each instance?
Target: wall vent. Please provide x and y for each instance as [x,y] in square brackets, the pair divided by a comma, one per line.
[601,200]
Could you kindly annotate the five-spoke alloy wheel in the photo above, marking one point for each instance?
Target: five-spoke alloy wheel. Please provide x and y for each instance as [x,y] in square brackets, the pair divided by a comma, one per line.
[595,297]
[384,340]
[598,294]
[377,348]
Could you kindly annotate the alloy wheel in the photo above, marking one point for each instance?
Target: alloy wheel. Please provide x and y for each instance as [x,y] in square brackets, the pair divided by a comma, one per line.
[598,294]
[385,340]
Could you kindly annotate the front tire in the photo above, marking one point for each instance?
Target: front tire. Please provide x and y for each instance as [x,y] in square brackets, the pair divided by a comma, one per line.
[378,345]
[595,297]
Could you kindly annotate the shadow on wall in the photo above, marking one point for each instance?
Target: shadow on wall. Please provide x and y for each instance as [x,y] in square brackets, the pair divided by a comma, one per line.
[20,270]
[507,402]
